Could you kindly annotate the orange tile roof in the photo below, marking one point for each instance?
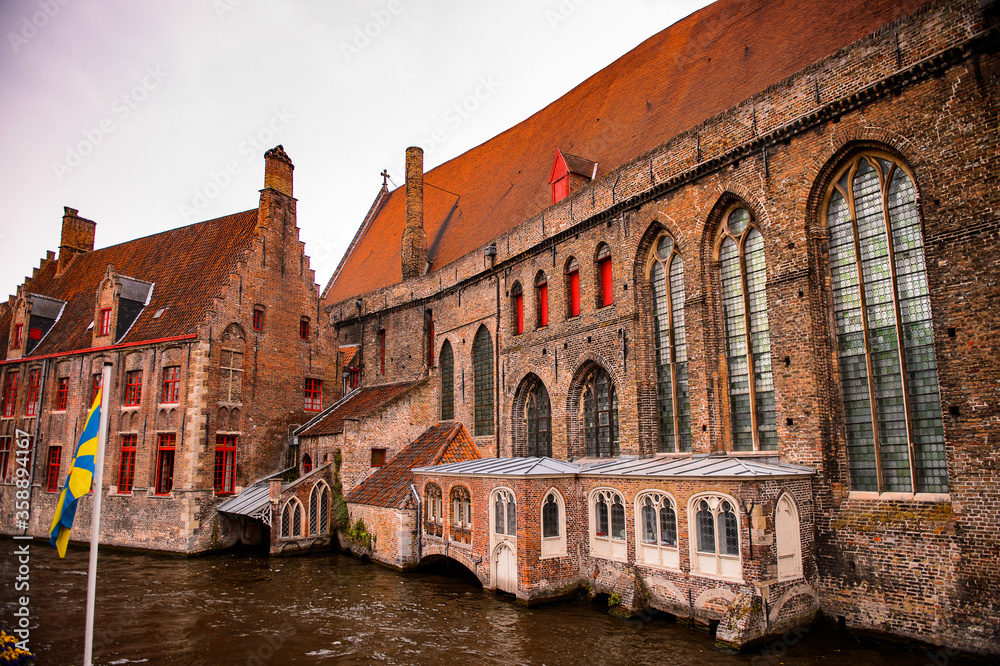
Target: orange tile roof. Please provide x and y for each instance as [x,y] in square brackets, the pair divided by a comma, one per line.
[389,486]
[347,355]
[188,266]
[357,404]
[685,74]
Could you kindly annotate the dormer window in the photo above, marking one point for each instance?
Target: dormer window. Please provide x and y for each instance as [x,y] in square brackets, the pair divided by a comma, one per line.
[18,332]
[105,321]
[569,173]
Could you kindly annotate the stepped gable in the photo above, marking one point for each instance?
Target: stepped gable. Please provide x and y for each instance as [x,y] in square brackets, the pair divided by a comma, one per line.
[356,405]
[187,266]
[445,442]
[698,67]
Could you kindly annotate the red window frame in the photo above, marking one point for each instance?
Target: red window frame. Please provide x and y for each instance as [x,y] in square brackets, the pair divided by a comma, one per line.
[18,332]
[5,444]
[133,388]
[166,445]
[518,312]
[307,464]
[34,378]
[314,395]
[10,393]
[543,304]
[95,385]
[105,321]
[378,457]
[171,384]
[574,292]
[52,475]
[258,319]
[304,329]
[126,463]
[225,463]
[607,284]
[355,378]
[62,393]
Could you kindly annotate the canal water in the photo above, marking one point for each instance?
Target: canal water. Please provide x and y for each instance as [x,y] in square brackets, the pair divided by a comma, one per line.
[329,608]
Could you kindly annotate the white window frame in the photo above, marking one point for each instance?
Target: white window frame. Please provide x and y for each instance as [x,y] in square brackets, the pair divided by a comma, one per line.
[553,546]
[715,564]
[608,547]
[655,554]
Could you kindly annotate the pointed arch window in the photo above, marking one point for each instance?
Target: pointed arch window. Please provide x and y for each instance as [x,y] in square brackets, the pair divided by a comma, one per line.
[553,525]
[536,412]
[461,514]
[716,538]
[885,337]
[541,300]
[433,510]
[319,509]
[656,524]
[666,280]
[447,360]
[752,422]
[517,308]
[504,513]
[482,365]
[600,415]
[572,288]
[607,520]
[787,539]
[605,280]
[291,519]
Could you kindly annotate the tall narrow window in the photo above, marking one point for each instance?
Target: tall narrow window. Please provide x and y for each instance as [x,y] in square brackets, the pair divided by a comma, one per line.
[885,337]
[482,362]
[753,425]
[95,386]
[717,537]
[126,463]
[656,522]
[304,328]
[607,534]
[541,300]
[258,318]
[433,510]
[105,321]
[461,514]
[504,513]
[34,381]
[10,393]
[606,293]
[225,463]
[600,415]
[52,470]
[231,376]
[62,393]
[133,388]
[447,382]
[307,464]
[314,395]
[517,308]
[171,384]
[787,539]
[673,401]
[166,444]
[536,413]
[18,333]
[291,519]
[319,509]
[5,443]
[572,288]
[380,349]
[429,337]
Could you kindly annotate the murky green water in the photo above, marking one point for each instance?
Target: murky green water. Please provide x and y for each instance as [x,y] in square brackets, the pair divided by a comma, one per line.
[243,608]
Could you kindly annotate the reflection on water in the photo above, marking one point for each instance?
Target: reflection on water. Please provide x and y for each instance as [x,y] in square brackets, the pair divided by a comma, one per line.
[243,608]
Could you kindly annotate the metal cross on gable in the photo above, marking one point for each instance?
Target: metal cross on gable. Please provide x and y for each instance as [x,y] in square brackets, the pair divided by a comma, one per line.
[385,177]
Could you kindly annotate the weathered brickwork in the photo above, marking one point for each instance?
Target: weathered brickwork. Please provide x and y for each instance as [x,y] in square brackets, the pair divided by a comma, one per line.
[921,91]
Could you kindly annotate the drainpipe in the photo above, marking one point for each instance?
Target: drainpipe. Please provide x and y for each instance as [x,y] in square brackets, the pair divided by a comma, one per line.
[420,513]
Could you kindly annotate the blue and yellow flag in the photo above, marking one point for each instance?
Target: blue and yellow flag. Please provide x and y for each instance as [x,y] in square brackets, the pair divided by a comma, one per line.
[79,479]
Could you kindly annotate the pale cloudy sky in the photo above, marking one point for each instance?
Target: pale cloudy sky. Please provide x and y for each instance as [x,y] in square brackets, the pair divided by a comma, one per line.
[149,115]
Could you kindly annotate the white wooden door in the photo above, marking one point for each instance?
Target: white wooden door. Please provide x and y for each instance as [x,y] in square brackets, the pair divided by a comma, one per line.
[505,568]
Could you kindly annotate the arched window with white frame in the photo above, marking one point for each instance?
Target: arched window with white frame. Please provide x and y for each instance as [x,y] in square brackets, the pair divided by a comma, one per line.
[553,525]
[504,513]
[787,539]
[607,525]
[715,538]
[433,510]
[291,519]
[319,509]
[461,514]
[656,528]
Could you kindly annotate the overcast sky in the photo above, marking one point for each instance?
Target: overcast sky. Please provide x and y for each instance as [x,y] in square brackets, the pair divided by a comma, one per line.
[147,116]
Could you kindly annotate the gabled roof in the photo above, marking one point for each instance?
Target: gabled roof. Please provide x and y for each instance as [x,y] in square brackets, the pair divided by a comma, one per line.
[445,442]
[347,355]
[565,163]
[698,67]
[355,405]
[187,266]
[535,466]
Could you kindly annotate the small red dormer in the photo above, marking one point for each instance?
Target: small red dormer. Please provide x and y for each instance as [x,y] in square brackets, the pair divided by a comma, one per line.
[570,172]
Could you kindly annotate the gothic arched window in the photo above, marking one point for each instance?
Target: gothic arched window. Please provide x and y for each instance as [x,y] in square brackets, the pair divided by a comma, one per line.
[666,280]
[600,415]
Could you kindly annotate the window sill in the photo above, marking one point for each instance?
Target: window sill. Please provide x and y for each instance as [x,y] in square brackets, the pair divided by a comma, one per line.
[698,574]
[554,556]
[657,567]
[899,497]
[58,411]
[167,404]
[131,406]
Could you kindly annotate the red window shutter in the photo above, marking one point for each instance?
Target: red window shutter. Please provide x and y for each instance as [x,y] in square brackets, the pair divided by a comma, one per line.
[543,305]
[560,189]
[34,334]
[574,293]
[607,287]
[519,310]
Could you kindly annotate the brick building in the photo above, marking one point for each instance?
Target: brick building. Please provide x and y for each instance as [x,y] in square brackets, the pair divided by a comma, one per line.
[212,330]
[761,240]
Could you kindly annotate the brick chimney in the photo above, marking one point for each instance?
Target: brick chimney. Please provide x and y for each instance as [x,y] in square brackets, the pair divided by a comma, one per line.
[77,237]
[414,251]
[278,170]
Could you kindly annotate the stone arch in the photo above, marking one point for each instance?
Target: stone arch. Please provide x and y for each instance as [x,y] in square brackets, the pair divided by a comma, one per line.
[590,364]
[703,602]
[234,333]
[433,551]
[803,589]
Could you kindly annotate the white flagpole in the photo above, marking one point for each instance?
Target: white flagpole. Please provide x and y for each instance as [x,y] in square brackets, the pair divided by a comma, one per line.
[95,522]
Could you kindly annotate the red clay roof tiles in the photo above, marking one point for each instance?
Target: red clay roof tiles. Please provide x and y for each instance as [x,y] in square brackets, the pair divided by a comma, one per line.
[694,69]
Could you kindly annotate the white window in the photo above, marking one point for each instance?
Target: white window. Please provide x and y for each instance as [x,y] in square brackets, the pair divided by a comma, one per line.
[656,529]
[715,537]
[504,513]
[787,539]
[553,525]
[433,510]
[461,514]
[607,525]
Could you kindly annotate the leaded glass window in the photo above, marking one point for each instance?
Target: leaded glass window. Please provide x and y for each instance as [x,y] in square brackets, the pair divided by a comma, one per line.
[482,361]
[601,516]
[537,417]
[617,518]
[673,401]
[657,521]
[753,425]
[706,528]
[600,416]
[447,360]
[550,516]
[885,341]
[504,513]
